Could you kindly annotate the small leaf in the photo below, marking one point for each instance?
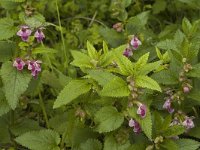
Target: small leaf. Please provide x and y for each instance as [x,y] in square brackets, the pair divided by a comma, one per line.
[71,91]
[141,61]
[92,51]
[43,50]
[147,82]
[15,83]
[108,119]
[40,140]
[173,130]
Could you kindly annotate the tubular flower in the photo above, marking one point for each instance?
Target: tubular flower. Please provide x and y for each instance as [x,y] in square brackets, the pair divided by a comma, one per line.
[39,35]
[135,125]
[142,110]
[167,105]
[128,52]
[135,43]
[19,64]
[35,67]
[24,33]
[188,122]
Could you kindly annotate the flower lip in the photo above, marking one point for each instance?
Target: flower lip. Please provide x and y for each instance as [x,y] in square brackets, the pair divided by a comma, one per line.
[19,64]
[135,42]
[142,110]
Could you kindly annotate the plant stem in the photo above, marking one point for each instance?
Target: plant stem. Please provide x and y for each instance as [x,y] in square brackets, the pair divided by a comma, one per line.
[65,59]
[41,102]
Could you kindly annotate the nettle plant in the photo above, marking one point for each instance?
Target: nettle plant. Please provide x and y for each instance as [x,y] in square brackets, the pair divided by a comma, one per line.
[122,98]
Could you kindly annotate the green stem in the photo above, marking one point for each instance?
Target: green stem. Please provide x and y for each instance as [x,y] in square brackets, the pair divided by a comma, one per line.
[41,102]
[61,32]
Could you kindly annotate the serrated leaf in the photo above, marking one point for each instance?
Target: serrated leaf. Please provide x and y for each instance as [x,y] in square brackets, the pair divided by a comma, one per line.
[195,95]
[188,144]
[71,91]
[105,47]
[125,65]
[173,130]
[108,119]
[81,59]
[7,28]
[141,61]
[159,53]
[91,144]
[195,72]
[147,82]
[194,132]
[40,140]
[116,87]
[145,123]
[4,107]
[35,21]
[165,77]
[15,83]
[167,45]
[169,145]
[102,77]
[7,50]
[186,26]
[111,144]
[92,51]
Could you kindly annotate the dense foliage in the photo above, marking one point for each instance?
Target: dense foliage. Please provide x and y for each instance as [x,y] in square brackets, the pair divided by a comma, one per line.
[99,74]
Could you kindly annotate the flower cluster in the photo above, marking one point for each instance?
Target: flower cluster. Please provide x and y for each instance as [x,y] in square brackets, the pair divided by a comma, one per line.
[25,32]
[135,125]
[33,66]
[133,45]
[187,122]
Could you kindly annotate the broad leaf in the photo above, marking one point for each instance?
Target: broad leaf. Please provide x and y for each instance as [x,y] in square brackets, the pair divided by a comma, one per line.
[147,82]
[40,140]
[108,119]
[71,91]
[91,144]
[15,83]
[188,144]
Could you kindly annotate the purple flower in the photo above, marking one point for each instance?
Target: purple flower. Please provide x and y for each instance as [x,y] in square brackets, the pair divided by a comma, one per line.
[35,67]
[128,52]
[118,27]
[188,122]
[24,33]
[167,105]
[175,121]
[135,42]
[19,64]
[142,110]
[39,35]
[135,125]
[186,89]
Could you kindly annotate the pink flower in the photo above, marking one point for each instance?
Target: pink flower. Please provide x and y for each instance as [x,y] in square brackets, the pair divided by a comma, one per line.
[186,89]
[35,67]
[135,125]
[188,122]
[135,43]
[39,35]
[175,121]
[19,64]
[118,27]
[24,32]
[128,52]
[142,110]
[167,105]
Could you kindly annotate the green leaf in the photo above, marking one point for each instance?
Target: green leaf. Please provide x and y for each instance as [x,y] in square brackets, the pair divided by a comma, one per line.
[185,49]
[71,91]
[15,83]
[40,140]
[167,45]
[141,61]
[102,77]
[17,1]
[117,87]
[188,144]
[7,28]
[125,65]
[173,130]
[194,132]
[7,50]
[165,77]
[186,26]
[145,123]
[147,82]
[35,21]
[195,95]
[159,53]
[91,144]
[169,145]
[195,72]
[111,144]
[4,107]
[92,51]
[105,47]
[43,50]
[81,59]
[108,119]
[159,6]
